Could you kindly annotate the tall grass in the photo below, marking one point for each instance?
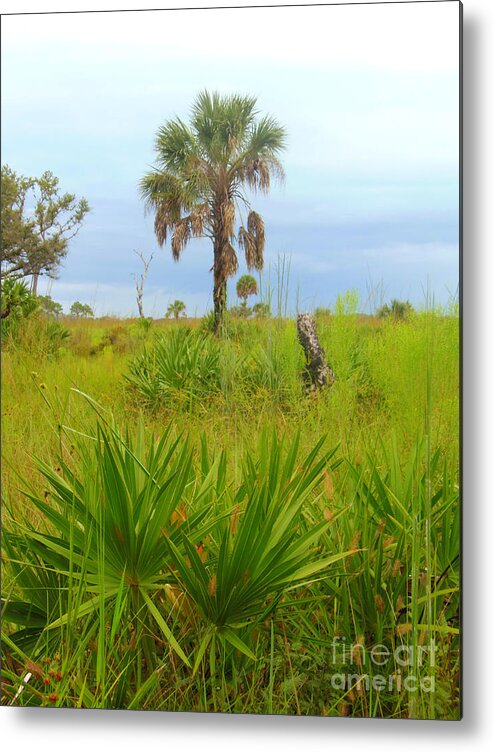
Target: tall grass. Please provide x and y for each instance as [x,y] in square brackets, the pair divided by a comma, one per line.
[202,550]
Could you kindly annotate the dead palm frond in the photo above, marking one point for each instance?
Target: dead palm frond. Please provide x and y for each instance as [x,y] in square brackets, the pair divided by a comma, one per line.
[252,241]
[199,218]
[180,237]
[229,262]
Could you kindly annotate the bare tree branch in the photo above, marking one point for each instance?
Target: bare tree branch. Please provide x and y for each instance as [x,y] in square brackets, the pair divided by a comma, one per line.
[139,282]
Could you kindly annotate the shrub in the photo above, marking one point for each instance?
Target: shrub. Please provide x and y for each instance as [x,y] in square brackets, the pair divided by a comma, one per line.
[241,311]
[56,336]
[398,310]
[17,305]
[143,325]
[108,549]
[151,560]
[322,312]
[273,369]
[261,310]
[179,364]
[347,304]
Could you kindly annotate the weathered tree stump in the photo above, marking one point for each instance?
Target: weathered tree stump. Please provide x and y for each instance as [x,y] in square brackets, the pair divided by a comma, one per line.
[317,372]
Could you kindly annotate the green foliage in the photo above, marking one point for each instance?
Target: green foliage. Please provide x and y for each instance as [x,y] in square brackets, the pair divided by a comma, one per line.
[271,371]
[261,310]
[175,309]
[56,335]
[113,522]
[207,324]
[241,311]
[229,326]
[83,310]
[120,338]
[17,301]
[394,501]
[35,242]
[398,310]
[39,335]
[263,547]
[322,312]
[144,324]
[246,286]
[133,521]
[347,304]
[179,366]
[49,306]
[17,305]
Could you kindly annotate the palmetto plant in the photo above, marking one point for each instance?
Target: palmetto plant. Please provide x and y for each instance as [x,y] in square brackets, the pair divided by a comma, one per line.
[17,300]
[147,546]
[260,551]
[17,305]
[199,184]
[177,364]
[398,310]
[106,552]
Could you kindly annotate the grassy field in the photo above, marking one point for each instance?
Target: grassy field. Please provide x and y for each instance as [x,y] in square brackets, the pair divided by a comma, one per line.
[185,529]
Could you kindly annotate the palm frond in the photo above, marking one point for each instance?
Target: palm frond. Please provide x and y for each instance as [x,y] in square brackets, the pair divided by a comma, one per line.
[157,184]
[200,216]
[181,236]
[162,222]
[257,171]
[227,264]
[246,241]
[223,124]
[227,217]
[252,241]
[175,145]
[268,137]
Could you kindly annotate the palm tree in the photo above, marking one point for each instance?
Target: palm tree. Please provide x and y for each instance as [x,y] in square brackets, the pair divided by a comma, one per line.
[175,309]
[246,286]
[199,182]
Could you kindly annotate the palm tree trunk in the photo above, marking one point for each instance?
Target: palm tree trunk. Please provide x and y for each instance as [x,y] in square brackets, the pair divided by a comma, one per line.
[219,289]
[219,300]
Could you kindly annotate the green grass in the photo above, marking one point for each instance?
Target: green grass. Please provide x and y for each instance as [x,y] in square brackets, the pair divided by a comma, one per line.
[200,535]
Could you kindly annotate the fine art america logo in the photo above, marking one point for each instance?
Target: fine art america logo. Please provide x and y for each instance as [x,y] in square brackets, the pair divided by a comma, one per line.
[413,667]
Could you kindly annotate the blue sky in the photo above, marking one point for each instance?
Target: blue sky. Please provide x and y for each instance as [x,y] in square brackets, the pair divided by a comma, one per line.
[369,97]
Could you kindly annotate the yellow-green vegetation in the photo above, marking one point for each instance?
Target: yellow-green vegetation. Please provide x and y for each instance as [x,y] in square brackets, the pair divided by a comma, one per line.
[185,529]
